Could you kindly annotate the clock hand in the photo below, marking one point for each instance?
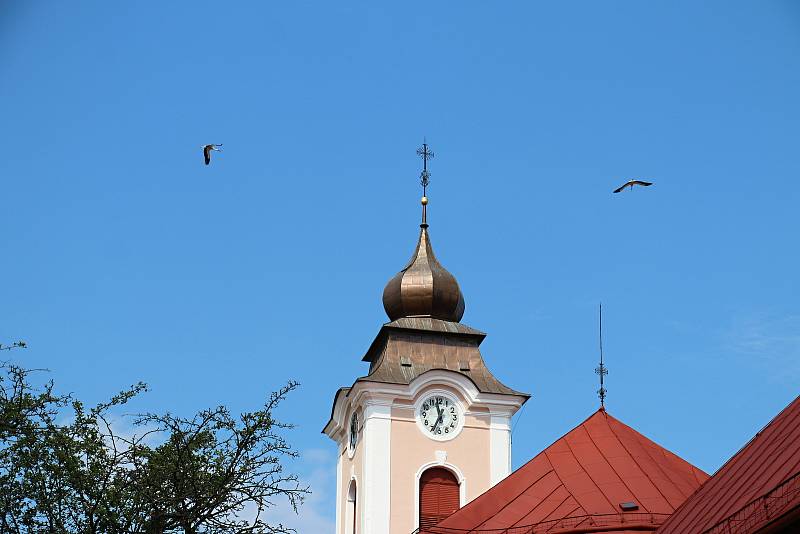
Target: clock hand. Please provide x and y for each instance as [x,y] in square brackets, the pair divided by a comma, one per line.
[438,418]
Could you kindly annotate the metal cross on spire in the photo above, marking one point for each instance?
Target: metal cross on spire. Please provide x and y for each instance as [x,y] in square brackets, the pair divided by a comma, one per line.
[425,153]
[601,369]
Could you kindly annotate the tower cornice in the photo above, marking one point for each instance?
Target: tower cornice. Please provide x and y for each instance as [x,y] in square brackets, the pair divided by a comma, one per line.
[367,393]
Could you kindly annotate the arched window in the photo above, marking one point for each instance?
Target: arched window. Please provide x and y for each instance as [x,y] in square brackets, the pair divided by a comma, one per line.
[438,496]
[350,517]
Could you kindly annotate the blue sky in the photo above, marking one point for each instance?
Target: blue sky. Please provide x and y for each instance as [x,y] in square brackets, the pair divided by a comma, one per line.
[126,259]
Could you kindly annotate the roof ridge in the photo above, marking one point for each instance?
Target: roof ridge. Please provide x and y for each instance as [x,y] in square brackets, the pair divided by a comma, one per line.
[698,504]
[667,455]
[756,435]
[544,451]
[654,442]
[664,454]
[519,500]
[741,474]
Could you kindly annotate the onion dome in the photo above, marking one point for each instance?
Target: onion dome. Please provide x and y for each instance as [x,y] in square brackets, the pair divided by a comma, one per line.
[423,288]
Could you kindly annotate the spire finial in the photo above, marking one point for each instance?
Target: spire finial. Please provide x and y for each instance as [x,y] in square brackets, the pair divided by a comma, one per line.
[425,153]
[601,369]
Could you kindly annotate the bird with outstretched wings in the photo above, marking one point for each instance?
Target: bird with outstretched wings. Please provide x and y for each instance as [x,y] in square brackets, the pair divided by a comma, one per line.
[207,149]
[631,183]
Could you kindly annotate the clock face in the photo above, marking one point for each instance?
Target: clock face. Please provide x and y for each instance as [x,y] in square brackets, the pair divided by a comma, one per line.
[353,430]
[440,416]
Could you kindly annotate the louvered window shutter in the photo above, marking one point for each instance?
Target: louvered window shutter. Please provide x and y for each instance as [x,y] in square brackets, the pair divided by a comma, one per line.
[438,496]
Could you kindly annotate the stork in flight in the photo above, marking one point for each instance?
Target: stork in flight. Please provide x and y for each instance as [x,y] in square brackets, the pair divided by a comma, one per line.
[207,149]
[631,183]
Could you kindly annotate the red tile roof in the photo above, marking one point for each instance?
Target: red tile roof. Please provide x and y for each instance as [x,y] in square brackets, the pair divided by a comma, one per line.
[579,482]
[759,485]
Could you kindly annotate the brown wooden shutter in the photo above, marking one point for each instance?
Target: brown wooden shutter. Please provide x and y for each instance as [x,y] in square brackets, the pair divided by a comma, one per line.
[438,496]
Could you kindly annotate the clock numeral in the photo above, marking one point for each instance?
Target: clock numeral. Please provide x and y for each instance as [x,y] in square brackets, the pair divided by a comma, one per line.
[426,422]
[452,409]
[438,430]
[446,430]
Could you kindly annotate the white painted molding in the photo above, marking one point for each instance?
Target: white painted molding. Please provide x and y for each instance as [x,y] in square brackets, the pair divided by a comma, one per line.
[377,468]
[382,393]
[339,517]
[499,448]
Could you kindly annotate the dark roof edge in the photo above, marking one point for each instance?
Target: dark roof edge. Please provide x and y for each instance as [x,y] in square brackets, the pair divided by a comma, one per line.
[346,391]
[510,392]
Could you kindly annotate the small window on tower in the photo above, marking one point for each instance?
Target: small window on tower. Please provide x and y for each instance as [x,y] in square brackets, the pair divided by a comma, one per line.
[351,519]
[405,361]
[438,496]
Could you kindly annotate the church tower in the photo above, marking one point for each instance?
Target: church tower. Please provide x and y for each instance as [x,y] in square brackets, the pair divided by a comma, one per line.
[428,428]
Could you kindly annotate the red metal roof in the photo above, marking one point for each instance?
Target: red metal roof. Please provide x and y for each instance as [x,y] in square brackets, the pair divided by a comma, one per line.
[578,483]
[759,485]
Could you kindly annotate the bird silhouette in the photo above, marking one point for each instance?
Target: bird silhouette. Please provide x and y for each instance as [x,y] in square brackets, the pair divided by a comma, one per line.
[631,183]
[207,149]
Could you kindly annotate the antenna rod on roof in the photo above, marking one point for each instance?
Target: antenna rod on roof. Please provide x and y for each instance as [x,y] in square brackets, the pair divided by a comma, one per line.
[601,369]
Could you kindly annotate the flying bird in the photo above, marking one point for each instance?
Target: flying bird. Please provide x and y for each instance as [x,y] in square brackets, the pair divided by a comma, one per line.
[207,149]
[631,183]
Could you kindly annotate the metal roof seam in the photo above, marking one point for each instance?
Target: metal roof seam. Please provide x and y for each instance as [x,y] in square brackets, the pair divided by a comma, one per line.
[569,495]
[556,472]
[520,469]
[603,460]
[695,471]
[736,456]
[793,437]
[583,468]
[517,497]
[667,455]
[671,458]
[728,479]
[749,503]
[637,463]
[612,467]
[742,475]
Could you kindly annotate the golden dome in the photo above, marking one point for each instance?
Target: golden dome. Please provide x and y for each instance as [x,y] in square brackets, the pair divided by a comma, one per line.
[423,288]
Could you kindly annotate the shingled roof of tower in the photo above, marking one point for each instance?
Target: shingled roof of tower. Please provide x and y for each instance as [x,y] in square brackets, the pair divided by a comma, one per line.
[601,476]
[411,346]
[759,487]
